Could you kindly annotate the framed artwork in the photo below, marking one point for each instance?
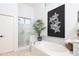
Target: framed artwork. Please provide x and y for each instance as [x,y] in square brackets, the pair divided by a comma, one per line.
[56,22]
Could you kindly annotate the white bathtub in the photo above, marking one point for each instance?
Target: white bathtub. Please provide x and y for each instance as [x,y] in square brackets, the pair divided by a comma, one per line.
[52,49]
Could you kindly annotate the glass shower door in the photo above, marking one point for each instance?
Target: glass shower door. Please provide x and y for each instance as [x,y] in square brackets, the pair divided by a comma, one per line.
[23,32]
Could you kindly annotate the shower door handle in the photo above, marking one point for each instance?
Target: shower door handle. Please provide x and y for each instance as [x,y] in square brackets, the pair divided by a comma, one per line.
[1,36]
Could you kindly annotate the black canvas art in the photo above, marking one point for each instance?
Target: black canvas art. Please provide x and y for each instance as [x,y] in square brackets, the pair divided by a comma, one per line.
[56,22]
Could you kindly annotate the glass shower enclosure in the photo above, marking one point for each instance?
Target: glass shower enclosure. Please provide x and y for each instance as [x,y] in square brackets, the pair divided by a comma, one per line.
[23,31]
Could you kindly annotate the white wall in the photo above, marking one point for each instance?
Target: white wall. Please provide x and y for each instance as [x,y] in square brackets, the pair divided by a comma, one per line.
[8,8]
[70,19]
[25,10]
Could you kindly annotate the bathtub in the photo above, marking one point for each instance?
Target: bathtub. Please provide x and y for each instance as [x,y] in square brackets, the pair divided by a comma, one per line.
[52,49]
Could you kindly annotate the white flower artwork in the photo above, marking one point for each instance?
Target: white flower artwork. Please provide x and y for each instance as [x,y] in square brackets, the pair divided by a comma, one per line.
[54,23]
